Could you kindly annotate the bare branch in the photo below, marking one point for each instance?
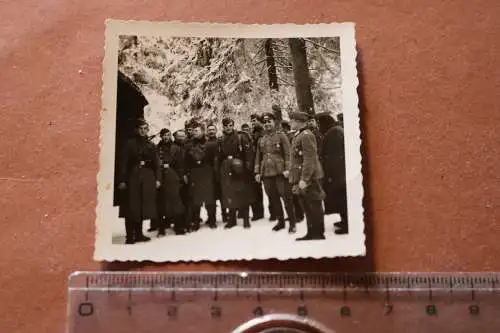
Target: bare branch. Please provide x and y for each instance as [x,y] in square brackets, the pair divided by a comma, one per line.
[321,46]
[326,64]
[285,82]
[260,61]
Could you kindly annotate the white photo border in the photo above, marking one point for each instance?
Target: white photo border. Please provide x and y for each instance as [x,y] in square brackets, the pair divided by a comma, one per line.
[105,213]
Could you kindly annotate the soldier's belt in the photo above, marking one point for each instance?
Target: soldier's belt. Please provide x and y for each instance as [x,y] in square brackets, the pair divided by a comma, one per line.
[145,164]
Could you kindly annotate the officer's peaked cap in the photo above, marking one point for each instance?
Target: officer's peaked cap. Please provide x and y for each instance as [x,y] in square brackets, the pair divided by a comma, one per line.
[300,116]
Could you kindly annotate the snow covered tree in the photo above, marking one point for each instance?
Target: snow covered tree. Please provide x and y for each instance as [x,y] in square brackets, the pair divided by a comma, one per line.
[210,78]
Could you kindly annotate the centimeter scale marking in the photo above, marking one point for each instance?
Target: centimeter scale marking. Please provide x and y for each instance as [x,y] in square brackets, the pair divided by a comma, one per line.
[313,302]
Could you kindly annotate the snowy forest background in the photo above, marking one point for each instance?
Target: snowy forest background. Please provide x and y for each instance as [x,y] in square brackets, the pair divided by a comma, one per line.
[210,78]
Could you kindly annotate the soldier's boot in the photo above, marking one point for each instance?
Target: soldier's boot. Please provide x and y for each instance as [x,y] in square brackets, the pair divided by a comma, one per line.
[299,211]
[272,213]
[341,227]
[211,216]
[154,225]
[257,211]
[179,224]
[139,236]
[292,229]
[162,227]
[130,232]
[195,220]
[246,218]
[280,225]
[223,213]
[231,219]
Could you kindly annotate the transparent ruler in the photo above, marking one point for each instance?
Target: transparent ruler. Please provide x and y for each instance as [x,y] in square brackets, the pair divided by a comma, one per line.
[256,302]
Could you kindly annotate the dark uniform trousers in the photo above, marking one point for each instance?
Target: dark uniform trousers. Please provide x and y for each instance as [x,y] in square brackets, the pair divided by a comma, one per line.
[312,201]
[258,206]
[278,187]
[299,210]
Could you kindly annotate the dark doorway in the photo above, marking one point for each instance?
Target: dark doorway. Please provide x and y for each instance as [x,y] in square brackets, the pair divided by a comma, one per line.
[130,103]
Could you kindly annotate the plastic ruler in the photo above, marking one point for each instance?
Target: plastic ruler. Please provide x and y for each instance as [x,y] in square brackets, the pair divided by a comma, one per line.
[257,302]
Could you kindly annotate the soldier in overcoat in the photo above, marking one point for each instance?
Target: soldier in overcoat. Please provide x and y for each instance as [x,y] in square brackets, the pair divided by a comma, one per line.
[256,133]
[333,161]
[235,158]
[272,167]
[139,175]
[180,138]
[170,206]
[200,164]
[306,174]
[214,142]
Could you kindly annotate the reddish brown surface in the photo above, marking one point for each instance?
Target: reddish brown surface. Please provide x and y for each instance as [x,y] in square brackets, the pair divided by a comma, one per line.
[430,82]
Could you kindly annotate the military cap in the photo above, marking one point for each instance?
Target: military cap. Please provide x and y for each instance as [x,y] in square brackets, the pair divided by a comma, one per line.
[268,115]
[164,131]
[256,116]
[140,122]
[226,121]
[300,116]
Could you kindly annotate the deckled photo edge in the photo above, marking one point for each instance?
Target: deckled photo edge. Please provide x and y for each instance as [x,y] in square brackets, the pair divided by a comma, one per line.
[104,249]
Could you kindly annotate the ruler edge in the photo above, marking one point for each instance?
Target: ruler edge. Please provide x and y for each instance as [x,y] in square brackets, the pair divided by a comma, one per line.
[378,278]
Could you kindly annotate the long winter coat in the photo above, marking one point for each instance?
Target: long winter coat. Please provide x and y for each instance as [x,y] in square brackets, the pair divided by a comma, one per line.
[333,159]
[200,164]
[139,168]
[237,183]
[172,173]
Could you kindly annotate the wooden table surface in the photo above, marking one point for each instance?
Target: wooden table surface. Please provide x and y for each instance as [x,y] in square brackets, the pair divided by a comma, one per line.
[430,82]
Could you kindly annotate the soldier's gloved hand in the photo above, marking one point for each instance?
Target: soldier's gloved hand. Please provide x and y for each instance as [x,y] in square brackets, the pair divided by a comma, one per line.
[257,178]
[158,184]
[186,179]
[302,185]
[286,173]
[295,189]
[122,186]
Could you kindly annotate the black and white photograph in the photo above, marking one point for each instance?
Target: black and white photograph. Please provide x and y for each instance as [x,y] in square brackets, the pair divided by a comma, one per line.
[229,142]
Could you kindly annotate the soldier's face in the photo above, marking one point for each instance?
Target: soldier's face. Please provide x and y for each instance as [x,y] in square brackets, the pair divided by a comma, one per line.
[180,136]
[313,124]
[268,124]
[245,128]
[143,130]
[211,131]
[294,124]
[197,132]
[189,131]
[228,128]
[254,122]
[166,136]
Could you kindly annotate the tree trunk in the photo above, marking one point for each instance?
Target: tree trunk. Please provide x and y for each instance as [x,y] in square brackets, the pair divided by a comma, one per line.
[301,75]
[273,76]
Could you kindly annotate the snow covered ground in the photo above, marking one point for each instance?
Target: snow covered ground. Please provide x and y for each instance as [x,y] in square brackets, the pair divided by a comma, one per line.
[258,242]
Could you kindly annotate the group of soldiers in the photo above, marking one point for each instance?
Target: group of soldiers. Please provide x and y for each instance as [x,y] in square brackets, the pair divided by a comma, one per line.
[300,163]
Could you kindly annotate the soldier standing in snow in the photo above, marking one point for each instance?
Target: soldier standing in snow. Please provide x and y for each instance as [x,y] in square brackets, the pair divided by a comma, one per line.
[213,141]
[180,144]
[256,134]
[236,173]
[170,207]
[200,164]
[306,174]
[139,175]
[333,161]
[272,166]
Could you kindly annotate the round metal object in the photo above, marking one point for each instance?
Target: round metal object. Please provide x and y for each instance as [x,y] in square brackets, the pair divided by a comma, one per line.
[282,323]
